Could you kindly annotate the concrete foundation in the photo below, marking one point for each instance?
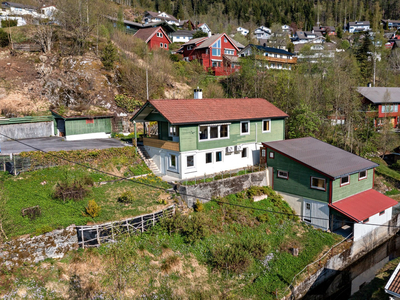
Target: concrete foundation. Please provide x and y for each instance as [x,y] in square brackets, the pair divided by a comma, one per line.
[27,130]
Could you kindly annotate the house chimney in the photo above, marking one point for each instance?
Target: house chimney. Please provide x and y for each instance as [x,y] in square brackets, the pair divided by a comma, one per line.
[198,93]
[209,34]
[369,84]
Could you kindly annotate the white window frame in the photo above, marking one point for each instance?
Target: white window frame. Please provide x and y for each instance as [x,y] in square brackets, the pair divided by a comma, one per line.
[346,183]
[271,155]
[165,45]
[364,177]
[189,47]
[171,132]
[230,51]
[280,174]
[205,158]
[170,166]
[262,124]
[161,45]
[222,156]
[316,187]
[194,162]
[159,34]
[245,133]
[209,133]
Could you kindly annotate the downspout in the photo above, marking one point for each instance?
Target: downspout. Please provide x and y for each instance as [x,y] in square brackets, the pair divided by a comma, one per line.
[256,136]
[134,124]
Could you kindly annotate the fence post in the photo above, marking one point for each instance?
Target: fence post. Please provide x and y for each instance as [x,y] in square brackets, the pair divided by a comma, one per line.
[83,240]
[127,227]
[15,166]
[154,220]
[98,239]
[112,231]
[142,224]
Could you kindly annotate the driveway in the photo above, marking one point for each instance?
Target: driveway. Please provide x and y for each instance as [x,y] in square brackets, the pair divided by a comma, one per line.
[57,144]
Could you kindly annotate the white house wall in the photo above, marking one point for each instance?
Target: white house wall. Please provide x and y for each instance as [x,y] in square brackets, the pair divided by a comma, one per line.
[361,229]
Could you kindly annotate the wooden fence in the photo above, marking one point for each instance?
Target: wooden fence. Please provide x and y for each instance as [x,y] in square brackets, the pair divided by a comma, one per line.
[94,236]
[27,47]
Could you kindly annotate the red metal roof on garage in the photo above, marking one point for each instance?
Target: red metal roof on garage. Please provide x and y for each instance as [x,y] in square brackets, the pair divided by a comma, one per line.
[189,111]
[363,205]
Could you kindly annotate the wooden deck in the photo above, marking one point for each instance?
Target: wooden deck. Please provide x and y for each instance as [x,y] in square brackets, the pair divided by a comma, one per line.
[156,143]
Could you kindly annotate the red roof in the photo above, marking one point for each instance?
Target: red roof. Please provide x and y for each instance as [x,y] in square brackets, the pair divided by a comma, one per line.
[146,34]
[363,205]
[190,111]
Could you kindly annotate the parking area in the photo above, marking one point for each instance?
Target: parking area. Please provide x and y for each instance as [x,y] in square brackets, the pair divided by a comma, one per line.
[57,144]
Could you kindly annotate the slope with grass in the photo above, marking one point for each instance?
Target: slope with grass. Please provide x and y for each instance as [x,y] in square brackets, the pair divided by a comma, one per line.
[219,251]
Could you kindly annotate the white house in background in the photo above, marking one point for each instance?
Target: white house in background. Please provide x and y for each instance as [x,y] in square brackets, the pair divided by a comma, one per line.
[19,9]
[358,26]
[182,36]
[207,136]
[286,28]
[21,21]
[204,27]
[392,287]
[48,11]
[153,17]
[262,32]
[242,30]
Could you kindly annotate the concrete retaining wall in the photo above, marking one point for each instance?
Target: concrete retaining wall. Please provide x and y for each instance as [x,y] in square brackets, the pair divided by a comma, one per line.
[27,130]
[221,188]
[32,250]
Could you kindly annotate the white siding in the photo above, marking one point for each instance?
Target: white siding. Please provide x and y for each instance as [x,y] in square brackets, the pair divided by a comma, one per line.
[361,229]
[319,213]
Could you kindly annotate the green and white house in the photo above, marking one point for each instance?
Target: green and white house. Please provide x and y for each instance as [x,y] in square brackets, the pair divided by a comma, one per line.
[82,127]
[198,137]
[329,187]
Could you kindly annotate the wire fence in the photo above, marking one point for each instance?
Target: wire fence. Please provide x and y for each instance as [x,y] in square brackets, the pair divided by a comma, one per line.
[15,164]
[94,236]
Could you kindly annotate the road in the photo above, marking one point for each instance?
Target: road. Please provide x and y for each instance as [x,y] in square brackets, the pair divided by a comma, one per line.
[57,144]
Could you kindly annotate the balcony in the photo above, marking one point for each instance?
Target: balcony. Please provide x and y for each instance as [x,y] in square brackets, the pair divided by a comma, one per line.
[157,143]
[278,60]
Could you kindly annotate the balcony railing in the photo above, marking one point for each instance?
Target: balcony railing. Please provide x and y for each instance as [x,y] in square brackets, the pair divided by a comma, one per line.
[293,60]
[156,143]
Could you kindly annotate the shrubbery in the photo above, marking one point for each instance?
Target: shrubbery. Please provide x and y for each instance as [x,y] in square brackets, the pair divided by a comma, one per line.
[9,23]
[126,197]
[73,190]
[93,209]
[4,38]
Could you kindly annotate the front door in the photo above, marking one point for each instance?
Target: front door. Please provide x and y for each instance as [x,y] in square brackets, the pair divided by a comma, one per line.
[307,212]
[61,127]
[263,156]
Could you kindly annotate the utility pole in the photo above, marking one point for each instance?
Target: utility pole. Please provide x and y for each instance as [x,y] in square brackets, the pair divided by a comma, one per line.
[147,82]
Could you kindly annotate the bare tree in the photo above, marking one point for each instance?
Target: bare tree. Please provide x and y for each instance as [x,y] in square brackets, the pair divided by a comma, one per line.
[44,34]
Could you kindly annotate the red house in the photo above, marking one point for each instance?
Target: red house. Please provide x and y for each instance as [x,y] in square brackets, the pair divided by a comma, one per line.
[218,53]
[381,103]
[155,37]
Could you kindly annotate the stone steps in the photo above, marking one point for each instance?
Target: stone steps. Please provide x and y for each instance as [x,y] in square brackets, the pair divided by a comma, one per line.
[148,161]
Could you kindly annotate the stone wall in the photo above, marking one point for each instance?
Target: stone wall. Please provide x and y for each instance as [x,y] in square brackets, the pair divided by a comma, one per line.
[27,130]
[221,188]
[26,249]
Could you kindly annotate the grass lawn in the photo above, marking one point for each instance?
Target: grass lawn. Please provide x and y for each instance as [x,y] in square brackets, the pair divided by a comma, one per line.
[219,252]
[384,169]
[37,188]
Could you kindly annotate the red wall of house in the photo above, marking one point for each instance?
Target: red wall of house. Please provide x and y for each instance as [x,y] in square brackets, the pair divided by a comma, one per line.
[392,114]
[155,41]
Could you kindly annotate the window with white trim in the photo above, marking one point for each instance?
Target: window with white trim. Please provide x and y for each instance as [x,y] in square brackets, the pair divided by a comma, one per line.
[190,161]
[245,127]
[208,158]
[244,152]
[173,162]
[272,155]
[229,52]
[173,130]
[189,48]
[218,156]
[283,174]
[318,183]
[362,175]
[216,48]
[165,46]
[161,45]
[389,108]
[212,132]
[345,180]
[266,125]
[159,34]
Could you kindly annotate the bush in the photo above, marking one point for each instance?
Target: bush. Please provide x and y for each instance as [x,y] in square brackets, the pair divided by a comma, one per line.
[127,103]
[169,263]
[8,23]
[93,209]
[4,38]
[32,212]
[199,207]
[44,229]
[109,56]
[75,190]
[126,197]
[175,57]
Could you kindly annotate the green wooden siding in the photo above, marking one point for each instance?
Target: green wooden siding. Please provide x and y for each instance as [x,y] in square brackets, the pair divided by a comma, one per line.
[155,117]
[189,136]
[356,186]
[163,131]
[299,178]
[79,126]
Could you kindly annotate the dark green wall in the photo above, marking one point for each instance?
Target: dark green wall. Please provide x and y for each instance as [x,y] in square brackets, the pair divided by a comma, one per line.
[79,126]
[299,178]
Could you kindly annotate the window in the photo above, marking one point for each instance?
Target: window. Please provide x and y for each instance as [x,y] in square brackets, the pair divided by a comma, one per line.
[272,65]
[272,155]
[216,48]
[244,127]
[225,40]
[366,220]
[244,152]
[173,130]
[208,158]
[229,51]
[308,206]
[266,125]
[216,63]
[161,45]
[173,162]
[362,175]
[382,212]
[283,174]
[318,183]
[190,161]
[389,108]
[214,131]
[344,180]
[165,46]
[218,156]
[189,48]
[159,34]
